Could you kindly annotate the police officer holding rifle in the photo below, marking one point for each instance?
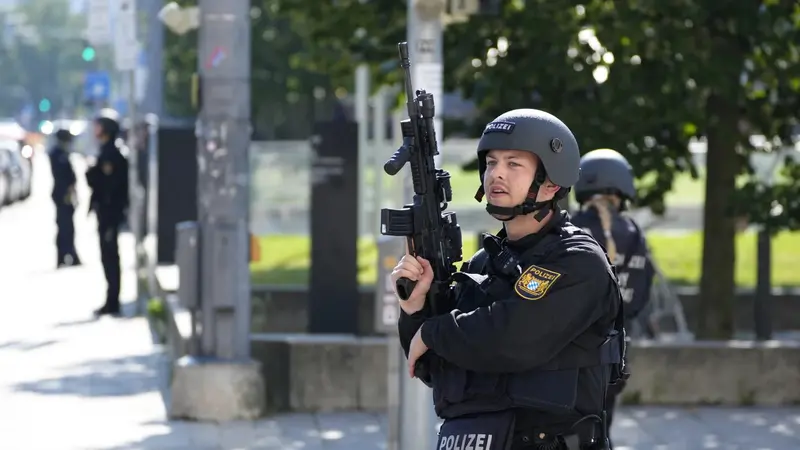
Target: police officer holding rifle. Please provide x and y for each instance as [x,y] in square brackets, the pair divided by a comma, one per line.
[520,345]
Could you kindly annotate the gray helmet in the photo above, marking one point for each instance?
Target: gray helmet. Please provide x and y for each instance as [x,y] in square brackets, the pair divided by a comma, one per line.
[63,135]
[605,171]
[545,136]
[109,119]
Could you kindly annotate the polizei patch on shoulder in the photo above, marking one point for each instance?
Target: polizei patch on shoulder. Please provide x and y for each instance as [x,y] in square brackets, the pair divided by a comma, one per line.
[534,282]
[499,127]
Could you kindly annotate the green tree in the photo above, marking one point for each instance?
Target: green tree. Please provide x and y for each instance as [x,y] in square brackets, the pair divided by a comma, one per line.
[42,58]
[666,72]
[340,35]
[641,76]
[290,88]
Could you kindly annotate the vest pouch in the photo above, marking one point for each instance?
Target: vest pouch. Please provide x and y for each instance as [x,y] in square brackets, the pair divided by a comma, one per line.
[550,391]
[483,386]
[449,385]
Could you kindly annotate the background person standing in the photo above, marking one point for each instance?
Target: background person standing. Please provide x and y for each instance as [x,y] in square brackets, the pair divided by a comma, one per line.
[64,197]
[108,179]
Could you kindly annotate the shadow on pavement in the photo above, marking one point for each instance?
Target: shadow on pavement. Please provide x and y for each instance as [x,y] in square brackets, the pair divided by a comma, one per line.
[128,311]
[26,345]
[103,378]
[73,323]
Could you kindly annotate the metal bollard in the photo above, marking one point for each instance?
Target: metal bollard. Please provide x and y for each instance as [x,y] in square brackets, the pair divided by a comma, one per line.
[762,311]
[187,255]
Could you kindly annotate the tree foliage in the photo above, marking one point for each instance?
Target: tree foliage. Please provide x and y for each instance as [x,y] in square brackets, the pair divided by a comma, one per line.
[642,76]
[666,72]
[41,56]
[298,76]
[339,35]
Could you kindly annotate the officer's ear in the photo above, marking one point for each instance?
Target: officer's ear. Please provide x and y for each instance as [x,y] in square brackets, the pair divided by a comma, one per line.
[549,189]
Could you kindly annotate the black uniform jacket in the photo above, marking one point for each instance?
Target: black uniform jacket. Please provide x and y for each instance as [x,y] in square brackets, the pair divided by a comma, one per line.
[63,175]
[108,179]
[494,351]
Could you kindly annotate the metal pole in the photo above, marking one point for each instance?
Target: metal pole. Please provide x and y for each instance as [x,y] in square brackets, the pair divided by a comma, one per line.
[154,97]
[134,194]
[379,144]
[224,177]
[425,35]
[766,168]
[396,359]
[763,298]
[152,202]
[362,113]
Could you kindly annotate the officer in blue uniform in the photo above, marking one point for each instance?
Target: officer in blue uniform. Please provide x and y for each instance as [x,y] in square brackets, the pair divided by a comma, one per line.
[604,191]
[108,179]
[535,336]
[63,196]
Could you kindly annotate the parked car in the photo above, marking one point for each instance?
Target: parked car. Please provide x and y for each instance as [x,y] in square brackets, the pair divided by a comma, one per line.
[25,167]
[8,178]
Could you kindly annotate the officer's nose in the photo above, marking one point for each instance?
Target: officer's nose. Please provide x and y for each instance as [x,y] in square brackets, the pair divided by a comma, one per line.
[497,173]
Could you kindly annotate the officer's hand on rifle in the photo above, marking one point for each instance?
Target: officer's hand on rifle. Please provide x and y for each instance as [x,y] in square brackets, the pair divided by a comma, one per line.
[415,269]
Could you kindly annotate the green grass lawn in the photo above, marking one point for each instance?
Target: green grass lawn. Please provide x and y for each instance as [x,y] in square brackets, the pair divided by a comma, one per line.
[266,182]
[285,259]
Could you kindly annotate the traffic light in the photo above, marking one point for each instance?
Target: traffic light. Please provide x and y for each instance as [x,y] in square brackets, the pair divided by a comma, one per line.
[88,53]
[44,105]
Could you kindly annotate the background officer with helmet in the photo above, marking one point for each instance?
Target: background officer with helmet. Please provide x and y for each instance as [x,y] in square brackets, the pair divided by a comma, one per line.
[535,335]
[603,191]
[64,197]
[108,179]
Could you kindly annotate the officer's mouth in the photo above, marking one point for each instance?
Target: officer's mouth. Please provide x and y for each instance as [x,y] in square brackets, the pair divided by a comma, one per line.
[497,192]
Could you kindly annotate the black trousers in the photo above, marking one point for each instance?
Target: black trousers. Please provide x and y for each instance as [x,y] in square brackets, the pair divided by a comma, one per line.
[65,236]
[108,231]
[611,402]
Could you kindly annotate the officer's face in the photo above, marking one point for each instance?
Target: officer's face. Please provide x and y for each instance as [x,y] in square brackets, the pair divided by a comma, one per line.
[508,176]
[98,132]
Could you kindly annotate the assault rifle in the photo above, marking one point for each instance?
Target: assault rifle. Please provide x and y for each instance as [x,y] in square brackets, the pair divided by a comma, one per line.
[431,232]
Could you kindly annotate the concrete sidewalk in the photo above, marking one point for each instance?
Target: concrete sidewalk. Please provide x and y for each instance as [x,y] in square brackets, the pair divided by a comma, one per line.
[70,382]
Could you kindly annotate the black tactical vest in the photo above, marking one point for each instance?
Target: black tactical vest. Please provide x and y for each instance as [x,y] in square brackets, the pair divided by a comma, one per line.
[552,388]
[632,264]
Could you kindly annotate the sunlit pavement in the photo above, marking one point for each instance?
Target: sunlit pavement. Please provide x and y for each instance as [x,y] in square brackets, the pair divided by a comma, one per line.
[69,382]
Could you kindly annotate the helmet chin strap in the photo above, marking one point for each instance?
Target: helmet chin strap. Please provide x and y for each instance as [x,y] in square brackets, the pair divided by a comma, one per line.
[529,206]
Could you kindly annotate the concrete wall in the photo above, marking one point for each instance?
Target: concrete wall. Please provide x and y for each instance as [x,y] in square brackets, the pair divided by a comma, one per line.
[714,373]
[282,309]
[340,372]
[324,373]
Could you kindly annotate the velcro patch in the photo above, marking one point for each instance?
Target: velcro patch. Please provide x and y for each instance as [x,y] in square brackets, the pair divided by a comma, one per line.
[534,282]
[499,127]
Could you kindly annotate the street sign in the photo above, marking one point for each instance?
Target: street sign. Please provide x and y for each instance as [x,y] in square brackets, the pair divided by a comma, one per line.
[121,106]
[98,22]
[126,47]
[97,86]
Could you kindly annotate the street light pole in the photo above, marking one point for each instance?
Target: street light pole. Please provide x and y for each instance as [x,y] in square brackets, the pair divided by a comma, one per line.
[230,382]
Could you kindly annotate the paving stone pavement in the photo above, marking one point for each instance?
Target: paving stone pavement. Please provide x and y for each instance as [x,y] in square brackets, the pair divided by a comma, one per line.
[69,382]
